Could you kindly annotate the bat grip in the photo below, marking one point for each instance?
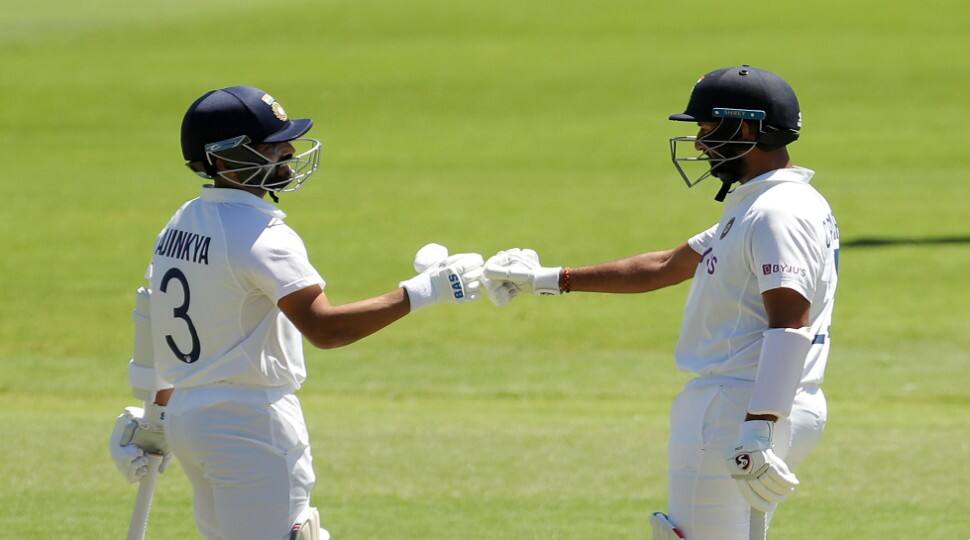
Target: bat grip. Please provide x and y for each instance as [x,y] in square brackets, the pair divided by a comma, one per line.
[758,528]
[143,503]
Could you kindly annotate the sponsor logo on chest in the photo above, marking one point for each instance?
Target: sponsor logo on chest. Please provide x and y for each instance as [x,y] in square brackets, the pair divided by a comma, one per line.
[709,261]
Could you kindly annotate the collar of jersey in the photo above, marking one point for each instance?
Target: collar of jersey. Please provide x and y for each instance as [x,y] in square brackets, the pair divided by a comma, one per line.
[789,174]
[238,196]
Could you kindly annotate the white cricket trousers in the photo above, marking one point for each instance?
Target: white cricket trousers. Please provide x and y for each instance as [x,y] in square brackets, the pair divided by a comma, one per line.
[246,452]
[704,501]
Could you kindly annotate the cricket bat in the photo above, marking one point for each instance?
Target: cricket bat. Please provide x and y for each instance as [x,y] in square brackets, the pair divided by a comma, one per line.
[143,503]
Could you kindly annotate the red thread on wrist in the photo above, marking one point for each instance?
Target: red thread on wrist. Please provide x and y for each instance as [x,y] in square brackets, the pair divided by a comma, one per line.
[564,281]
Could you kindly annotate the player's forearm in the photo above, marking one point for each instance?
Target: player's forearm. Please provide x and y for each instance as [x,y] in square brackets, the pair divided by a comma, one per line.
[337,326]
[637,274]
[162,396]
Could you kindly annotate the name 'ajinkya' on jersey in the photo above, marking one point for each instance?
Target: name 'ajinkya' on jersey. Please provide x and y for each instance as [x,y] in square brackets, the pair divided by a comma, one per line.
[219,268]
[776,231]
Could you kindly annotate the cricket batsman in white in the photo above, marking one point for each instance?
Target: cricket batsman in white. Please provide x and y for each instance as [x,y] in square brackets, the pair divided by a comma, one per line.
[218,354]
[757,325]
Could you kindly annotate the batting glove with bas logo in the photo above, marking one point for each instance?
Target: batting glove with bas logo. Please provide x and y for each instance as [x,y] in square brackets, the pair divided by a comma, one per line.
[764,479]
[443,279]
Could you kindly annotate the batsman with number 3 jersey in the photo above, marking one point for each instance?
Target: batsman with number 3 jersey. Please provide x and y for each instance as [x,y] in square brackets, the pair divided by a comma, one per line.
[232,295]
[756,330]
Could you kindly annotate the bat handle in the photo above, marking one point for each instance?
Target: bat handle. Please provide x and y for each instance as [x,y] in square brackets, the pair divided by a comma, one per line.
[143,504]
[758,528]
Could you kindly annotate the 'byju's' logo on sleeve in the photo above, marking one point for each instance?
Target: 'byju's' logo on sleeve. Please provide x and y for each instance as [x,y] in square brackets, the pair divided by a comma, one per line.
[768,269]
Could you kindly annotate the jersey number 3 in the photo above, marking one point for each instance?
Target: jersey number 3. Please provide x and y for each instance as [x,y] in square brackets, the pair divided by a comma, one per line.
[182,312]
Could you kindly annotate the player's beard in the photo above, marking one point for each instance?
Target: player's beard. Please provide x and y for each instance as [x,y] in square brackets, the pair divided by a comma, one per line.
[728,164]
[282,175]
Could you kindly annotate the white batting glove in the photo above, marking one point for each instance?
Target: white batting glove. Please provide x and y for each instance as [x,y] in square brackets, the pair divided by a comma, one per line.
[428,256]
[764,479]
[500,292]
[521,268]
[136,433]
[456,279]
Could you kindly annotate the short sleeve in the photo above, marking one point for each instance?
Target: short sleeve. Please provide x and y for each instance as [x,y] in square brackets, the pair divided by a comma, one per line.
[278,264]
[701,241]
[784,252]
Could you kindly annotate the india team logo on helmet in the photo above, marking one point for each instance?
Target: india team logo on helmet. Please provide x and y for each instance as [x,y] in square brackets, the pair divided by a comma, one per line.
[277,109]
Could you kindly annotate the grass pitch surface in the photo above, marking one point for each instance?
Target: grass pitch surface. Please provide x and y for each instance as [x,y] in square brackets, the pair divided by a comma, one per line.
[485,126]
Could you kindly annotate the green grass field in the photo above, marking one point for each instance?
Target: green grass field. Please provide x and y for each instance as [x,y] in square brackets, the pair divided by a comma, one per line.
[486,125]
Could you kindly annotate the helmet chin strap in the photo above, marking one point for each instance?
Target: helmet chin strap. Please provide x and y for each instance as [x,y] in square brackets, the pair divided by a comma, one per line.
[728,171]
[722,193]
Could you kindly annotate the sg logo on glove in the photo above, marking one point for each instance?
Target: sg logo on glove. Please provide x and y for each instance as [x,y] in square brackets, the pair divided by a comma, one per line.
[763,478]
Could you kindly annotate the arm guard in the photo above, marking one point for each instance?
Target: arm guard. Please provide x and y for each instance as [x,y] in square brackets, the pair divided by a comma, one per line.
[780,368]
[141,369]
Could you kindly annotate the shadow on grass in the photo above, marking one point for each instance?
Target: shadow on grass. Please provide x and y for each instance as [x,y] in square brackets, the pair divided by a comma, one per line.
[884,241]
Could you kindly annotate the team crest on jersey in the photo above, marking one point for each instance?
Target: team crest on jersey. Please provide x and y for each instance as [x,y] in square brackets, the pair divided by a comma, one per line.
[727,228]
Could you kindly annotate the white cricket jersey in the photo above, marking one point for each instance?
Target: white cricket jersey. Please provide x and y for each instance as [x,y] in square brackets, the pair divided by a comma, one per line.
[220,266]
[776,231]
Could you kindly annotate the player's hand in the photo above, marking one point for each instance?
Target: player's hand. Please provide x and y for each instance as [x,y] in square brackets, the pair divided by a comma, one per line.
[763,478]
[443,279]
[511,271]
[138,432]
[500,292]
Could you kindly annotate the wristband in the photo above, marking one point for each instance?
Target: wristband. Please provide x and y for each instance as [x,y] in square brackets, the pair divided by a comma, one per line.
[419,290]
[546,281]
